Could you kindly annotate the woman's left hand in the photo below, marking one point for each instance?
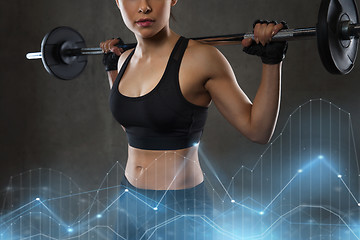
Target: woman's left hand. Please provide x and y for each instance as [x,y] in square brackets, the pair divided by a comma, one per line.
[261,45]
[263,32]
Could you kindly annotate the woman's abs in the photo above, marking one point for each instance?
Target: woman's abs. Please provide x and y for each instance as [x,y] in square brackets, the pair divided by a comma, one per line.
[164,170]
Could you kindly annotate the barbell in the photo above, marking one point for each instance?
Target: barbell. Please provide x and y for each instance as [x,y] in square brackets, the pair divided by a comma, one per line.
[64,52]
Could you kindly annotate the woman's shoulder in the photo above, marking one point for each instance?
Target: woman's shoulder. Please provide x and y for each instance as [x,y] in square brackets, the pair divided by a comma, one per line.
[201,49]
[123,57]
[205,56]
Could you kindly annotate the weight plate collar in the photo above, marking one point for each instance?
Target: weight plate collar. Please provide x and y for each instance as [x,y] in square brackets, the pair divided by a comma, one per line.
[337,55]
[54,49]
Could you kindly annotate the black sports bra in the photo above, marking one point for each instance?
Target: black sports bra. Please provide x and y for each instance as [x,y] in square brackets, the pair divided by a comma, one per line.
[161,119]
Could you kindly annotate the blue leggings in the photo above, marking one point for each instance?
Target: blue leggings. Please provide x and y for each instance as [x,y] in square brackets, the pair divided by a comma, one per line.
[164,215]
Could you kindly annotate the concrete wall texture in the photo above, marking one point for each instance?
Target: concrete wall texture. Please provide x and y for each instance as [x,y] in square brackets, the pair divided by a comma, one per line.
[67,125]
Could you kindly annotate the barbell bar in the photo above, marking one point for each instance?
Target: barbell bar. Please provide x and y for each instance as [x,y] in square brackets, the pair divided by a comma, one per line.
[64,52]
[283,35]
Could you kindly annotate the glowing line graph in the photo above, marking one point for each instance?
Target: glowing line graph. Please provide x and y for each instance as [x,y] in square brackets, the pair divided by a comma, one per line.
[286,125]
[28,209]
[223,231]
[290,181]
[55,218]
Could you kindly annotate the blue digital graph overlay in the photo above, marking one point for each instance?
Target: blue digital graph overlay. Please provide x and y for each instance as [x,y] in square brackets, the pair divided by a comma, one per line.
[305,185]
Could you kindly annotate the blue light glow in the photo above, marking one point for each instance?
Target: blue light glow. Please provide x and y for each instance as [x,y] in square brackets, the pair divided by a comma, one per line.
[297,206]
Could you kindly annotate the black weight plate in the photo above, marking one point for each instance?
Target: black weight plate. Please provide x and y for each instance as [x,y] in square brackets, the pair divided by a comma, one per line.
[337,55]
[52,56]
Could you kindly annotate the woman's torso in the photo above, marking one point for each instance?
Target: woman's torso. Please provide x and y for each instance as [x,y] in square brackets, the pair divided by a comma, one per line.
[163,169]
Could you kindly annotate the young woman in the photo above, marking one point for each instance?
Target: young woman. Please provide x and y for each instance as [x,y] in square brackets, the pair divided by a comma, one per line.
[160,96]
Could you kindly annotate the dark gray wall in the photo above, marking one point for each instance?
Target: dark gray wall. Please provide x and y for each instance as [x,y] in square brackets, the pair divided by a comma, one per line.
[67,125]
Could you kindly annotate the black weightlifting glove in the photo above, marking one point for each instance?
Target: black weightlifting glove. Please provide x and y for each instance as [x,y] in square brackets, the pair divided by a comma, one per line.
[271,53]
[110,59]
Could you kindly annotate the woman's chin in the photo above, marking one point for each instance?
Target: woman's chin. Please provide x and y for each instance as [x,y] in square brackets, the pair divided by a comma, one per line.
[147,33]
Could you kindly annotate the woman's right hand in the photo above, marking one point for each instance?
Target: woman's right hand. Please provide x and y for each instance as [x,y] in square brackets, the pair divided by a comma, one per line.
[111,53]
[110,46]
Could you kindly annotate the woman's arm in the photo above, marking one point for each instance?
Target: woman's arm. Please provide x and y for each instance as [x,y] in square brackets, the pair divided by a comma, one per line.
[112,76]
[265,109]
[255,120]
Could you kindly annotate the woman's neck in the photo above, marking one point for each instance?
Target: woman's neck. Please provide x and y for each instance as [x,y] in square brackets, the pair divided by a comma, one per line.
[154,46]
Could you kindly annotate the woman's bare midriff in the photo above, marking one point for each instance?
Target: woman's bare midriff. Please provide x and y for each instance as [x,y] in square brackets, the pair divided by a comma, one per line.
[164,170]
